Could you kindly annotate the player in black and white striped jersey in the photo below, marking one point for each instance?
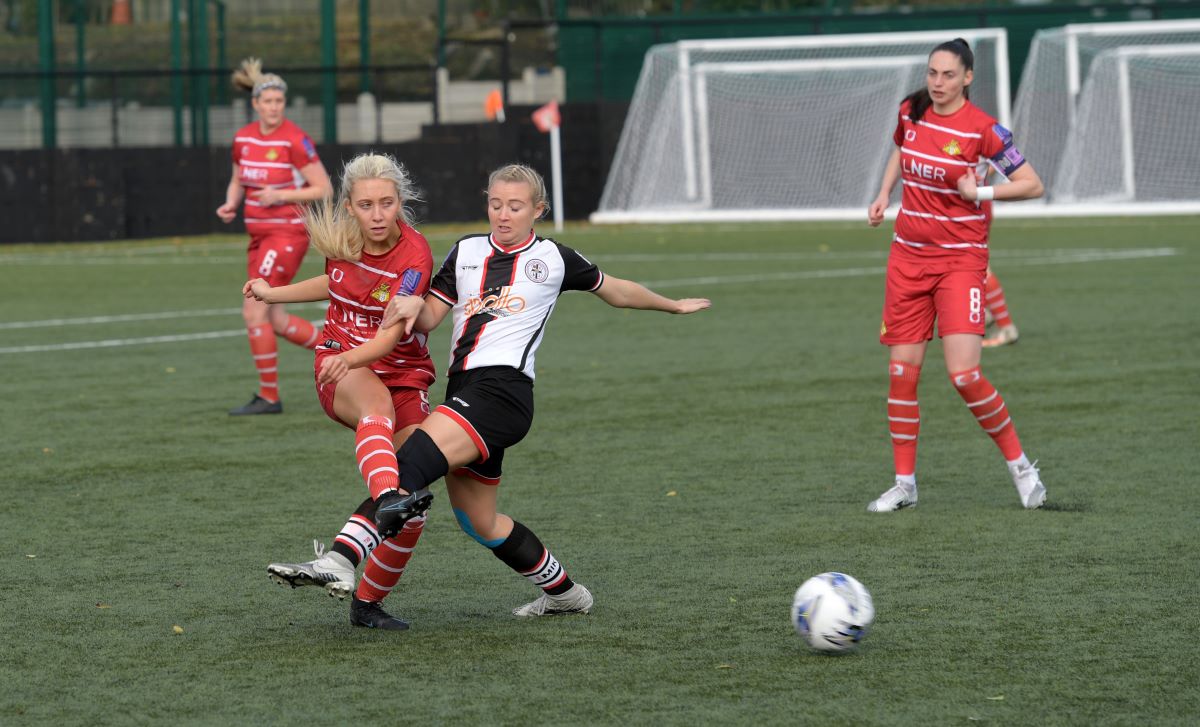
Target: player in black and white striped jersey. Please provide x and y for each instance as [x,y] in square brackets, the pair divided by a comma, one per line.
[502,288]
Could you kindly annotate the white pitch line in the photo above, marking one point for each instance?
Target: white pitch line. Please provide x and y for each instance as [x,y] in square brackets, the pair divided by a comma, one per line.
[115,342]
[1091,256]
[127,261]
[129,317]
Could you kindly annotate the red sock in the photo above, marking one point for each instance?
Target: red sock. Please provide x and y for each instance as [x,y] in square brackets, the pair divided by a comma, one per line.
[995,302]
[989,409]
[386,563]
[300,332]
[904,415]
[376,455]
[264,351]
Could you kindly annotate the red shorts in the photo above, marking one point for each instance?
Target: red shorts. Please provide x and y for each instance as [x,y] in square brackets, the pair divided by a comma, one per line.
[915,297]
[412,405]
[276,256]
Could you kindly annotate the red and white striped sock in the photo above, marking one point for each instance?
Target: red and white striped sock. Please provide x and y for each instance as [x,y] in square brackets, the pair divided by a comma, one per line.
[265,352]
[301,332]
[387,563]
[994,300]
[904,416]
[989,409]
[376,457]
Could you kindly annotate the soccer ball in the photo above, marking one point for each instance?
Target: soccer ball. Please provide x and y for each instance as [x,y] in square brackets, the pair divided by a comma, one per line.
[832,612]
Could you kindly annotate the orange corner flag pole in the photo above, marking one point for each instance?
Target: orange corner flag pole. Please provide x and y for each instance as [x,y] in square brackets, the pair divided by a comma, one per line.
[493,106]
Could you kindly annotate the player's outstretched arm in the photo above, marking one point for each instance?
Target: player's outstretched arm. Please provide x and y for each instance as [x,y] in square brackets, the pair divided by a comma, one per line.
[410,313]
[620,293]
[303,292]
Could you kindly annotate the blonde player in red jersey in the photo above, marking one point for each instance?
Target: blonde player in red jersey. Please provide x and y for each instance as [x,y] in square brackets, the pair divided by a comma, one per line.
[939,258]
[373,380]
[276,168]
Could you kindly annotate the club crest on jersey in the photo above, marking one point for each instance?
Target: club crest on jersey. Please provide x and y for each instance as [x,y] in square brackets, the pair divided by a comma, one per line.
[381,293]
[536,271]
[496,305]
[953,149]
[272,155]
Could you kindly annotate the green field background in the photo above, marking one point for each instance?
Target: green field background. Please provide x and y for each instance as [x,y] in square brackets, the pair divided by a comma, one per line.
[691,471]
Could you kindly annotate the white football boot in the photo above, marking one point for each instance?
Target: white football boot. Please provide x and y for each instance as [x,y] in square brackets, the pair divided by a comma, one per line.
[901,495]
[332,571]
[1029,485]
[1003,336]
[576,600]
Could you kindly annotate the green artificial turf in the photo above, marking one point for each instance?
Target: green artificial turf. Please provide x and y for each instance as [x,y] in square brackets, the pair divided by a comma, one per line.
[691,471]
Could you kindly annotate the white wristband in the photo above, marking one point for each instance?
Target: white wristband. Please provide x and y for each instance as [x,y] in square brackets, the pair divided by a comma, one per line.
[983,194]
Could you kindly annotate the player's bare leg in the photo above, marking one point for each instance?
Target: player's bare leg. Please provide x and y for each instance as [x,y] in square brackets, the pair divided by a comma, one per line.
[517,547]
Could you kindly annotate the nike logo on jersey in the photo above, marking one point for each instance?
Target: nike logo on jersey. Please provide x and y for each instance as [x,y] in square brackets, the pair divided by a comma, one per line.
[460,401]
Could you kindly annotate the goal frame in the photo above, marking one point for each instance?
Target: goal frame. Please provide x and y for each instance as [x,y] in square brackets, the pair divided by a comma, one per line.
[685,78]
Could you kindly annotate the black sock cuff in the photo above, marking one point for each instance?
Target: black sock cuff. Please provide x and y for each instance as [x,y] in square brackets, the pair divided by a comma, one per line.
[521,550]
[421,462]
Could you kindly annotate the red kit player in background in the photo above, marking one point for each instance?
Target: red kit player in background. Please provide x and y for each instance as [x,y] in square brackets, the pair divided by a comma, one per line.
[275,166]
[370,380]
[939,260]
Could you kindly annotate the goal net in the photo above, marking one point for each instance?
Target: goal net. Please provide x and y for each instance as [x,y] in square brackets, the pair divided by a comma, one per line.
[1059,64]
[776,128]
[1132,139]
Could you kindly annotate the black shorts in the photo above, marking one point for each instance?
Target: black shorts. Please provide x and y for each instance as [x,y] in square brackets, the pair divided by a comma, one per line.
[494,406]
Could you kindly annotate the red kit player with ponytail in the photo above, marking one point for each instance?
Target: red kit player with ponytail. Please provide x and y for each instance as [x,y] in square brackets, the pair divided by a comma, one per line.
[276,169]
[939,259]
[372,380]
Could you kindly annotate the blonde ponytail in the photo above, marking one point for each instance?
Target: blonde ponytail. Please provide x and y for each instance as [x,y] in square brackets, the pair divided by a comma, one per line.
[249,76]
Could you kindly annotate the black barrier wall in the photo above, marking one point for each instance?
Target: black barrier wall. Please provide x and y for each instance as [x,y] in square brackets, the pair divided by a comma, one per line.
[69,195]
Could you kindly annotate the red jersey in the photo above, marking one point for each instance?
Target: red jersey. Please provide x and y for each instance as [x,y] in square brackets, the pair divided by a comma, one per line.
[935,224]
[272,161]
[358,294]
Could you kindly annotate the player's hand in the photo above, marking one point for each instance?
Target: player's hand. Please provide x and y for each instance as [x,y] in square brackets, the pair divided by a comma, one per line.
[968,187]
[684,306]
[403,309]
[876,210]
[227,212]
[257,289]
[333,370]
[269,197]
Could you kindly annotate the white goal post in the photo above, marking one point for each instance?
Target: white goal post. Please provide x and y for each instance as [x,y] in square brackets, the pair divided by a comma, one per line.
[1130,143]
[1056,70]
[704,109]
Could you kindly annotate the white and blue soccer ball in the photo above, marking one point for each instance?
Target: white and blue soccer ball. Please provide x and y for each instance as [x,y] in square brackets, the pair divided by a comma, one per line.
[832,612]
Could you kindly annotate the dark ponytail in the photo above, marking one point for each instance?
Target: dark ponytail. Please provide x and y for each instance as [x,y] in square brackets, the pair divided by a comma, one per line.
[919,101]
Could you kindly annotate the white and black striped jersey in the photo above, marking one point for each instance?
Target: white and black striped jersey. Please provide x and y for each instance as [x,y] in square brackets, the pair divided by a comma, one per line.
[502,299]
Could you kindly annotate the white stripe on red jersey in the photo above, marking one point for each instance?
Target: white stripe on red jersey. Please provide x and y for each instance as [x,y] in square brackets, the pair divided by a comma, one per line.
[358,294]
[272,161]
[936,225]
